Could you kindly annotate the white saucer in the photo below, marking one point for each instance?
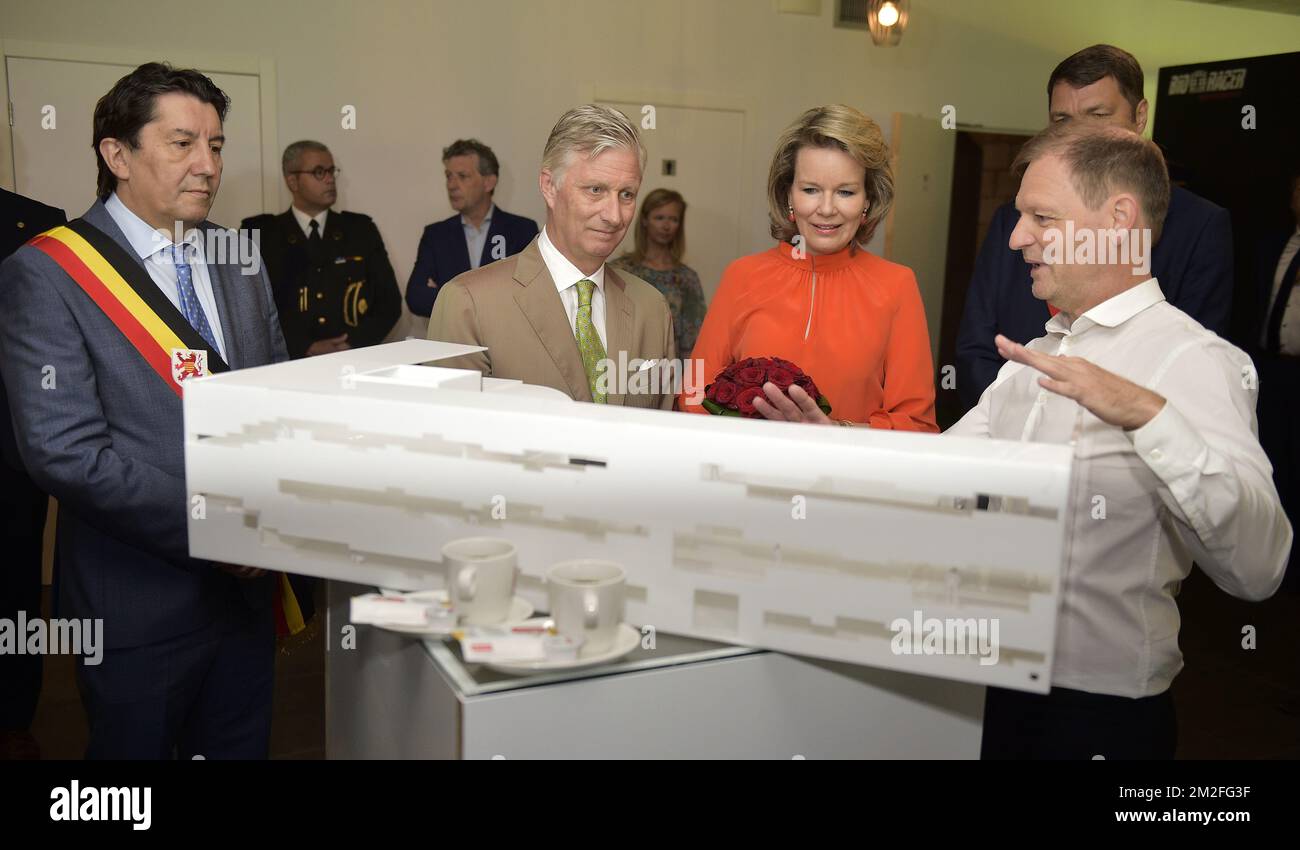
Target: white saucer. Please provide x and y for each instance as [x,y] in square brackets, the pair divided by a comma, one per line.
[627,639]
[520,609]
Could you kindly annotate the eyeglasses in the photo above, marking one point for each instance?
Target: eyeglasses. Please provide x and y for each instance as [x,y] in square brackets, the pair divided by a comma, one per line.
[320,172]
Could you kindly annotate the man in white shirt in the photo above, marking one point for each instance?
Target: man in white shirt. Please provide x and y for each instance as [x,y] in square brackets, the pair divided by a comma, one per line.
[1161,414]
[554,314]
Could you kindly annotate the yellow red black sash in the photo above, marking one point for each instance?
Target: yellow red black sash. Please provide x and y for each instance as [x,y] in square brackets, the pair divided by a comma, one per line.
[121,287]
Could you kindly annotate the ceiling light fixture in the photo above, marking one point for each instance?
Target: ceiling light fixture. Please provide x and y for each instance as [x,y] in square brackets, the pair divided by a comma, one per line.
[887,19]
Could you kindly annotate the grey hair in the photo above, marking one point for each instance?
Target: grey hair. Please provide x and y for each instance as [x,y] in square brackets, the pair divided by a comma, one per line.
[592,130]
[293,154]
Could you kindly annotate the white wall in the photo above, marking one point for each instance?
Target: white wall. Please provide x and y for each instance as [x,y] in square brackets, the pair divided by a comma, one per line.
[424,73]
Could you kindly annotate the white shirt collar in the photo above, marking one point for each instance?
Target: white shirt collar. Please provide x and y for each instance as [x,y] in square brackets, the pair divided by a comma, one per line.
[487,219]
[144,238]
[304,220]
[1112,312]
[563,272]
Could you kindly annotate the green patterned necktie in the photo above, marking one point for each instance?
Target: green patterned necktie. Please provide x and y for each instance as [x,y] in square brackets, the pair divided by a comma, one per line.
[589,345]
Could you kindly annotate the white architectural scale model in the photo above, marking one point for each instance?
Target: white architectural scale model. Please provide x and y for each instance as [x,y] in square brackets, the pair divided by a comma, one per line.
[932,555]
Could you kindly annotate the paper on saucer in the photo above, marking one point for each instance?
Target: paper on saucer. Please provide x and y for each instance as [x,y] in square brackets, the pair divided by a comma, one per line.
[627,639]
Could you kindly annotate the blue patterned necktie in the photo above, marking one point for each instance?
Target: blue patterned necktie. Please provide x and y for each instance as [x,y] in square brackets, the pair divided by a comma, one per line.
[190,305]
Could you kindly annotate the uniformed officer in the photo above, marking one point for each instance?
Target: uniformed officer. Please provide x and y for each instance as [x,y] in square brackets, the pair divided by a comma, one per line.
[334,285]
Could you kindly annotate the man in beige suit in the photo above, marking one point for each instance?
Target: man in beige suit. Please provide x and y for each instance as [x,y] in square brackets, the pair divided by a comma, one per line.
[555,314]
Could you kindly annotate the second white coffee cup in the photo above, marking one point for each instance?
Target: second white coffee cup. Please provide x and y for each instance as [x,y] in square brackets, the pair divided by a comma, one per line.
[587,602]
[481,574]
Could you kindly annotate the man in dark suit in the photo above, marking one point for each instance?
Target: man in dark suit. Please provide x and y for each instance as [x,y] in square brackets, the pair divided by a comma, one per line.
[24,505]
[333,282]
[1277,269]
[101,322]
[479,233]
[1192,260]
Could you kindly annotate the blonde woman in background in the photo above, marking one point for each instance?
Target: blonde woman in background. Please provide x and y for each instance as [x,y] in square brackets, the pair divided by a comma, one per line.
[657,259]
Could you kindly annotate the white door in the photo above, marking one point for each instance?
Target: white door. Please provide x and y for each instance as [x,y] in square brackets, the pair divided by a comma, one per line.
[53,111]
[916,231]
[703,146]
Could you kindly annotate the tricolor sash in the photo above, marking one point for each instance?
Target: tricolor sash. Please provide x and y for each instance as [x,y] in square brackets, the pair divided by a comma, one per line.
[120,286]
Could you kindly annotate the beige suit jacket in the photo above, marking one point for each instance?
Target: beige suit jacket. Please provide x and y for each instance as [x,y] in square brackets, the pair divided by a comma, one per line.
[512,307]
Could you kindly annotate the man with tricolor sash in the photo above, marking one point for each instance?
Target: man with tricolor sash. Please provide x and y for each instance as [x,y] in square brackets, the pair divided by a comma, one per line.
[103,323]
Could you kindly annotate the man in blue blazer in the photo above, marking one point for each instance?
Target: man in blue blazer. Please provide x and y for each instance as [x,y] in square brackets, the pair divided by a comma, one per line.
[479,233]
[1192,260]
[101,322]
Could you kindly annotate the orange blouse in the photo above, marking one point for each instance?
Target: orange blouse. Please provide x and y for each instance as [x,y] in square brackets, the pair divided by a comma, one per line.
[854,323]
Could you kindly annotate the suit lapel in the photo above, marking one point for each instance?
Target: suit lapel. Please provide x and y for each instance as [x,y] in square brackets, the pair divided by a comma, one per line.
[105,236]
[223,288]
[459,247]
[618,327]
[333,233]
[540,303]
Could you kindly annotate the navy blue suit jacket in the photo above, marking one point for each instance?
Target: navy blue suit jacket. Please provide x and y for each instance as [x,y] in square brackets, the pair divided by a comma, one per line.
[1268,251]
[1192,260]
[105,438]
[443,254]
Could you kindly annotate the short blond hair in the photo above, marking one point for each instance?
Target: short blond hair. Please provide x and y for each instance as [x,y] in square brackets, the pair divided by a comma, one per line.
[838,127]
[591,129]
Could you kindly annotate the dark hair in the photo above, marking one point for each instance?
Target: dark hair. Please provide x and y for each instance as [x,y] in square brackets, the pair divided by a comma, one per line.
[487,161]
[131,103]
[1096,63]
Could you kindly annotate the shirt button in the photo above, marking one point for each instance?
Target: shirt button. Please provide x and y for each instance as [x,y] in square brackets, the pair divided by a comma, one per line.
[1156,454]
[321,320]
[320,295]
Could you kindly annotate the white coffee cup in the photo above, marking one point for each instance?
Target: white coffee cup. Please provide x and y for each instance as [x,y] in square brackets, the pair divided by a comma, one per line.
[481,573]
[587,602]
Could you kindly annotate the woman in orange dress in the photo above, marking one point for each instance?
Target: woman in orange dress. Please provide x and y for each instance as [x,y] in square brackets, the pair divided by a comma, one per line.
[854,322]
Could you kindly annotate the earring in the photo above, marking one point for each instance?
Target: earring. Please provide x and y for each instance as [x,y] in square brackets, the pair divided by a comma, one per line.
[791,209]
[864,212]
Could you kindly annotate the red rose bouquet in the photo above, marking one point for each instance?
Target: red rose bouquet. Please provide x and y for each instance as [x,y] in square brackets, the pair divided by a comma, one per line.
[733,391]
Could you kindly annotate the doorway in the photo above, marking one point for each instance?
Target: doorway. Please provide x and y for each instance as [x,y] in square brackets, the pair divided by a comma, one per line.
[982,181]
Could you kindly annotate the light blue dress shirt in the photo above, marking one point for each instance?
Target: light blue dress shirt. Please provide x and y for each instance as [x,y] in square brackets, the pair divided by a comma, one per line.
[154,249]
[476,237]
